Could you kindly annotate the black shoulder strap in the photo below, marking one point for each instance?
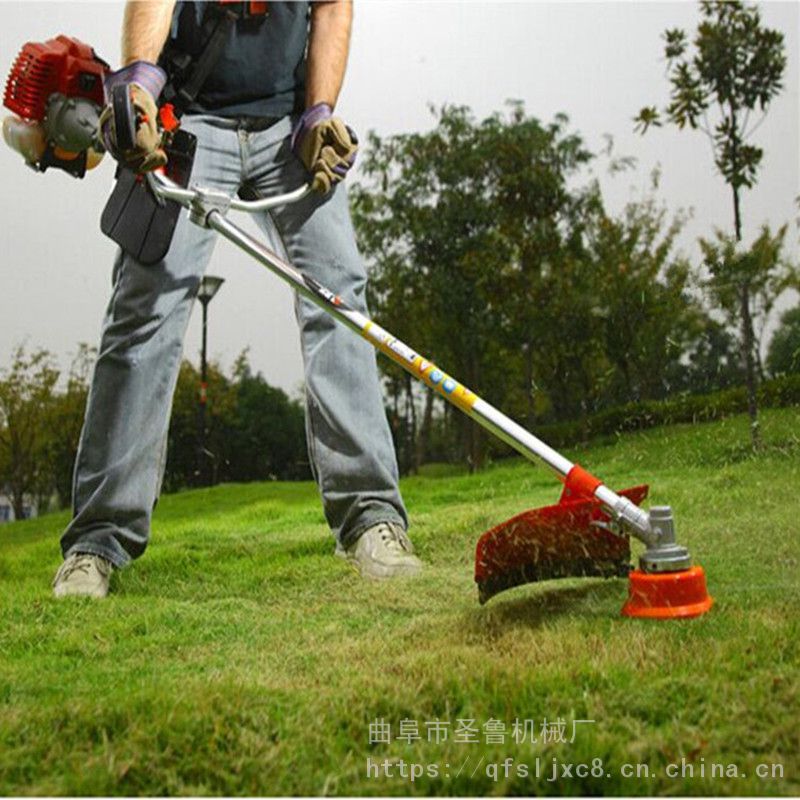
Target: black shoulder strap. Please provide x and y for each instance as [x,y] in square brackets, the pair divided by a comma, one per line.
[182,96]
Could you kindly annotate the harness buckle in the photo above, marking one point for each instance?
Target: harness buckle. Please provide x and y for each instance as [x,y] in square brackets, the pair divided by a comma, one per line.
[248,9]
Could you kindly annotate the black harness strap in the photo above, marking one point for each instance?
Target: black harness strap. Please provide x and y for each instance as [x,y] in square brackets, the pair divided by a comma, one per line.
[186,75]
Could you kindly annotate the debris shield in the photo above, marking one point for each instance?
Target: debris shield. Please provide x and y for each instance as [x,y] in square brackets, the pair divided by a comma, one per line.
[569,539]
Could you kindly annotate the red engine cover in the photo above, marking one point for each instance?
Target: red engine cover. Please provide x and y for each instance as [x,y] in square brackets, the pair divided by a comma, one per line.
[63,65]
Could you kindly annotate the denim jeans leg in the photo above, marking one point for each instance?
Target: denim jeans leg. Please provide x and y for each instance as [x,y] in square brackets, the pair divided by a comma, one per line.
[350,444]
[120,461]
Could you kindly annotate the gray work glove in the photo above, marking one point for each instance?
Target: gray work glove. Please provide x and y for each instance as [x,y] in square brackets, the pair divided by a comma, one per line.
[326,146]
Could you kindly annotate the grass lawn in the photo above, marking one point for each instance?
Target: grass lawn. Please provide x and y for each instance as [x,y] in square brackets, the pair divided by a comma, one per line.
[239,657]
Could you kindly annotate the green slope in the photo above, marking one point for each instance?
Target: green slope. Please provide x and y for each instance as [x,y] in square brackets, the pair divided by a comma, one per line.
[239,657]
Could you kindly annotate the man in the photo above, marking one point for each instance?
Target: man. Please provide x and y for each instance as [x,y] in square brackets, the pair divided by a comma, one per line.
[264,125]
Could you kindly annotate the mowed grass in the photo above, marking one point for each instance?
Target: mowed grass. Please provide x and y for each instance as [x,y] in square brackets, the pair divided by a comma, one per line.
[240,657]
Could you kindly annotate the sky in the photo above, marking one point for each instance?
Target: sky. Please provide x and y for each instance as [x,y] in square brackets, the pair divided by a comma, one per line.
[598,62]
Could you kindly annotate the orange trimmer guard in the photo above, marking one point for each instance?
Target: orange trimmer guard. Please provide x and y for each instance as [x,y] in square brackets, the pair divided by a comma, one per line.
[560,541]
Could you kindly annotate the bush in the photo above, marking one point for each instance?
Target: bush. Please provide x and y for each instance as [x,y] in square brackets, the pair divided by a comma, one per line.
[775,393]
[784,349]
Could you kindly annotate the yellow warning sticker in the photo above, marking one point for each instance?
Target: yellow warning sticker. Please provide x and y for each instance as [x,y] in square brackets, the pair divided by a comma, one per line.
[412,362]
[448,387]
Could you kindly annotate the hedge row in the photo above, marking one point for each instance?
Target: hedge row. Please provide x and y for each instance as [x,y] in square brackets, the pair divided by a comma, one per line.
[775,393]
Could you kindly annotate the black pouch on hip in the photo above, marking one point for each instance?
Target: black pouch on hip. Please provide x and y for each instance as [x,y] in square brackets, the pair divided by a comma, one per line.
[139,222]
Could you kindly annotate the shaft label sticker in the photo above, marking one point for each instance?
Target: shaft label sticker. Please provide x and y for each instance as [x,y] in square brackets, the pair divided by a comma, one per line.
[326,294]
[402,354]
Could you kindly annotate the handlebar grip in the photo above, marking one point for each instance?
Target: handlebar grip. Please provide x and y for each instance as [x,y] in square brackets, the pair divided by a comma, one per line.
[124,118]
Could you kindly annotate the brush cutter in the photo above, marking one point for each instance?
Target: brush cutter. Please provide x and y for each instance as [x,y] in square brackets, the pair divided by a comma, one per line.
[585,534]
[55,88]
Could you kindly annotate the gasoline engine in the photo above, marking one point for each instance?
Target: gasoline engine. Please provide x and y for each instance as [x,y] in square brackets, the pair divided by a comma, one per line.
[55,90]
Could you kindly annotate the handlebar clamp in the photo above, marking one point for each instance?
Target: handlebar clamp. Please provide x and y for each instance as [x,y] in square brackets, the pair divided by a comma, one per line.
[205,202]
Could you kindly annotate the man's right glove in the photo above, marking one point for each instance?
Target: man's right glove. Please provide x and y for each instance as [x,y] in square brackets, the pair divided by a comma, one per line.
[326,146]
[129,123]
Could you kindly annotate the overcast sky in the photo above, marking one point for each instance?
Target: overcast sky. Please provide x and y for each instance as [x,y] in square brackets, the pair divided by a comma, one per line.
[597,62]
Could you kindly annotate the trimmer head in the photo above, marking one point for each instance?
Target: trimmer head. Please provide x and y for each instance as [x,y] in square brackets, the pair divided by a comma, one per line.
[569,539]
[668,595]
[574,539]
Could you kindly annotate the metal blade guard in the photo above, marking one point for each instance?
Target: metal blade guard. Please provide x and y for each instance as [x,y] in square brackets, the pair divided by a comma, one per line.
[573,538]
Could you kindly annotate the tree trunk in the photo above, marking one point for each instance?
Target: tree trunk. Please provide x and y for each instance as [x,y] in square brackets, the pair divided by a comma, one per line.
[411,427]
[626,377]
[471,452]
[18,502]
[421,450]
[475,445]
[762,376]
[473,431]
[749,367]
[737,215]
[529,411]
[748,336]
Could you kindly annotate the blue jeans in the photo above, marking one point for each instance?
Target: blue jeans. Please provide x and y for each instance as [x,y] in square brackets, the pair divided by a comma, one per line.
[122,451]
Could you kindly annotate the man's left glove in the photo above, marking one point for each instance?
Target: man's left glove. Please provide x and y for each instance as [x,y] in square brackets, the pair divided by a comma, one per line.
[129,123]
[326,146]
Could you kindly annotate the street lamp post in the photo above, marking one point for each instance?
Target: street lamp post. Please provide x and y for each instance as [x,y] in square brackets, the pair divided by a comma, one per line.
[209,286]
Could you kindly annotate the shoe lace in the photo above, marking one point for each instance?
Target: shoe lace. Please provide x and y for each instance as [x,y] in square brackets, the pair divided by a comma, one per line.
[394,538]
[82,563]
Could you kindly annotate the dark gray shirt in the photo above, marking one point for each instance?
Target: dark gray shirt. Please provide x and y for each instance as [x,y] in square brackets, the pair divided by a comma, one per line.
[261,72]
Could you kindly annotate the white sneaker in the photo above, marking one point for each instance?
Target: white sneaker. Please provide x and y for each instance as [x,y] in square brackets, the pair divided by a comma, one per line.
[382,551]
[83,575]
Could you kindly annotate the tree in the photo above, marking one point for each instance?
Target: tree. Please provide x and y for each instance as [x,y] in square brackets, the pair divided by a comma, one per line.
[267,438]
[712,360]
[545,287]
[736,69]
[649,317]
[254,431]
[488,254]
[464,227]
[419,226]
[183,460]
[26,395]
[783,357]
[766,274]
